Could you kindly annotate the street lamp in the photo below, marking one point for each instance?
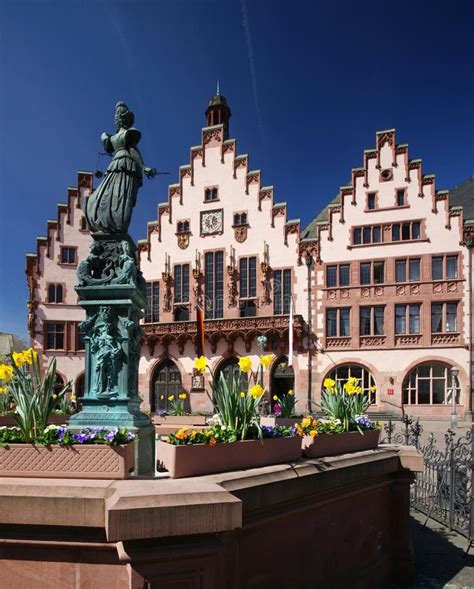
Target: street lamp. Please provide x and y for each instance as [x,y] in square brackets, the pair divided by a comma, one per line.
[454,378]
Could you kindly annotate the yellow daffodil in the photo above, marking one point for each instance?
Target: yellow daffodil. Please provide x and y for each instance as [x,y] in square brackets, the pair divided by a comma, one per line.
[3,390]
[266,361]
[329,383]
[373,389]
[29,356]
[275,398]
[245,364]
[256,391]
[6,372]
[171,398]
[349,388]
[18,358]
[183,396]
[352,380]
[358,390]
[291,392]
[200,364]
[55,396]
[242,394]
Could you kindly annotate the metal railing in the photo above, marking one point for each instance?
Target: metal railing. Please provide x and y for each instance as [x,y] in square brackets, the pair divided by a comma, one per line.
[443,491]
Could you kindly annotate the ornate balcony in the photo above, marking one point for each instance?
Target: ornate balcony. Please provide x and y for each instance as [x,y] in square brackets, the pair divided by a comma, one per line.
[275,327]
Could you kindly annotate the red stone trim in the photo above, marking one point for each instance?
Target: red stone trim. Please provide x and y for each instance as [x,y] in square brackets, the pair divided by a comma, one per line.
[241,161]
[252,178]
[263,194]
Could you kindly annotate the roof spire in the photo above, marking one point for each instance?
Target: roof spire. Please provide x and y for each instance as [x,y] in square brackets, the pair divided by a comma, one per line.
[218,111]
[218,93]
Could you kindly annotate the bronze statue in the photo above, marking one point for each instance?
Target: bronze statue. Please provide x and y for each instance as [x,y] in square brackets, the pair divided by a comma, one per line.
[109,209]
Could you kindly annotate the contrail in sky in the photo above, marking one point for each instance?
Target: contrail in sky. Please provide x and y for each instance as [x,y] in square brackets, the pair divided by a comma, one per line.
[245,22]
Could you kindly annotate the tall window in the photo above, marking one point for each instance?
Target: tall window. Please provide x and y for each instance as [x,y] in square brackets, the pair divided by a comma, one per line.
[371,201]
[152,313]
[54,336]
[338,275]
[211,194]
[407,318]
[248,286]
[430,384]
[372,273]
[371,320]
[55,293]
[181,292]
[408,267]
[338,322]
[444,267]
[281,292]
[400,198]
[444,317]
[80,343]
[214,285]
[68,255]
[406,231]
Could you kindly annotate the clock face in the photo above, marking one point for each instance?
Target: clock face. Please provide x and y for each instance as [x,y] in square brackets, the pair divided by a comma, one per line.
[211,222]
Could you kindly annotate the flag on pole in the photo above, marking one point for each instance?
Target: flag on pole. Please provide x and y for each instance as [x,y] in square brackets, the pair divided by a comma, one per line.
[200,330]
[290,334]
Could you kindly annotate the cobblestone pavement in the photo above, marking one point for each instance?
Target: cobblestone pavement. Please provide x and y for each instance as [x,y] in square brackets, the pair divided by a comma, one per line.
[440,556]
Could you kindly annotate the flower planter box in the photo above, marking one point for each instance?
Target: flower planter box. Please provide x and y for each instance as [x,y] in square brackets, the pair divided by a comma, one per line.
[9,420]
[272,420]
[94,461]
[199,459]
[332,444]
[180,421]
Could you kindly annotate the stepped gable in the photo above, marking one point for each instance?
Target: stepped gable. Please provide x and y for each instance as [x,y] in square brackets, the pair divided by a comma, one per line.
[65,216]
[211,137]
[386,158]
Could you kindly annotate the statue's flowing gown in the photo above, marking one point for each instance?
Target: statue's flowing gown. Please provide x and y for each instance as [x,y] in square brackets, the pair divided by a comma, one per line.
[109,209]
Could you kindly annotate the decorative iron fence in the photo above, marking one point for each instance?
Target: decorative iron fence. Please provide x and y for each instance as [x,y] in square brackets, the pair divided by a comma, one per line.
[443,491]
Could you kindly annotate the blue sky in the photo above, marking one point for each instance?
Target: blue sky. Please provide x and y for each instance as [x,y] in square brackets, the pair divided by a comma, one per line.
[309,84]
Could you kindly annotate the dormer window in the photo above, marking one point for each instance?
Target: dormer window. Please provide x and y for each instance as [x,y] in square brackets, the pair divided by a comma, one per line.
[182,227]
[211,194]
[240,219]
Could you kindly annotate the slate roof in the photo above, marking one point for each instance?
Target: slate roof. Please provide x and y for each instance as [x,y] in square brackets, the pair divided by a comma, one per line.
[463,196]
[460,196]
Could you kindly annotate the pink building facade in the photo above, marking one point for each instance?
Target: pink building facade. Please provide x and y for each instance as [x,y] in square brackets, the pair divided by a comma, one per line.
[381,279]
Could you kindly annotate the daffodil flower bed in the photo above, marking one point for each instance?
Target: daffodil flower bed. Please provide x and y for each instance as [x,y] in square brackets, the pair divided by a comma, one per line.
[284,404]
[221,434]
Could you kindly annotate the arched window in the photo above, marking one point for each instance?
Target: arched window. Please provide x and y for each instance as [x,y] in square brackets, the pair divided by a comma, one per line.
[430,383]
[366,380]
[231,366]
[282,378]
[166,381]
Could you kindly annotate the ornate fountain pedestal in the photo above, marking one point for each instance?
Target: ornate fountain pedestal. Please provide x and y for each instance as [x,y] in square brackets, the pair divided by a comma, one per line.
[111,291]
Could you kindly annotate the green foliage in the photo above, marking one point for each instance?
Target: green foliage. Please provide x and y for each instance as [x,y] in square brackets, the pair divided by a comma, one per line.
[345,403]
[34,397]
[287,404]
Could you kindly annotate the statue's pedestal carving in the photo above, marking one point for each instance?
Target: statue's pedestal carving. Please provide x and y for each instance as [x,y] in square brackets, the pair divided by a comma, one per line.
[112,351]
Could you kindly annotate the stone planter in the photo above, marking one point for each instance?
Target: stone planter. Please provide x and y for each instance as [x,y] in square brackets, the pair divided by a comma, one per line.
[332,444]
[9,420]
[88,461]
[199,459]
[273,420]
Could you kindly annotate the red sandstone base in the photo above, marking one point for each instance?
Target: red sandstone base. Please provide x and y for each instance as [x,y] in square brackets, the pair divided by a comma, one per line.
[180,420]
[67,462]
[333,444]
[200,459]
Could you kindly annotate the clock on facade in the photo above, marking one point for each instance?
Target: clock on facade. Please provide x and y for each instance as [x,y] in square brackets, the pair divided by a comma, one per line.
[211,222]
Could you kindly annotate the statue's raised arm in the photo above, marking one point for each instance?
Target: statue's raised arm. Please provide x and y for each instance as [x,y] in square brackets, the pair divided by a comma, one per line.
[108,210]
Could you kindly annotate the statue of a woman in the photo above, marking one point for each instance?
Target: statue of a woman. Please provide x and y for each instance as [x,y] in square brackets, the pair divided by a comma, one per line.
[109,209]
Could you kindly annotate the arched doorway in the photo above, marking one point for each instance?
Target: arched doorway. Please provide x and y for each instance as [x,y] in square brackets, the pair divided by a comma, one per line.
[364,376]
[282,378]
[166,381]
[231,366]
